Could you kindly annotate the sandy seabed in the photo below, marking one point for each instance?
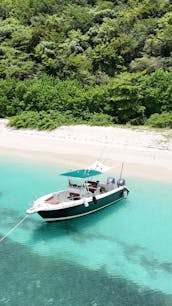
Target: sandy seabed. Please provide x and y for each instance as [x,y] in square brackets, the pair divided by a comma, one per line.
[145,154]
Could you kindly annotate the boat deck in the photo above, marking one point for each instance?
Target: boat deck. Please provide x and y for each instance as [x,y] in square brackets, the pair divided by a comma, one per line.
[52,200]
[65,196]
[75,192]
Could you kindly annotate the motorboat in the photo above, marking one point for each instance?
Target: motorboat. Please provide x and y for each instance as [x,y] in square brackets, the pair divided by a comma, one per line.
[87,192]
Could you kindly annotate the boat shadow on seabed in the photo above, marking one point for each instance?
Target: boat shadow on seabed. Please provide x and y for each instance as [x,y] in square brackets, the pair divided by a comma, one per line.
[76,226]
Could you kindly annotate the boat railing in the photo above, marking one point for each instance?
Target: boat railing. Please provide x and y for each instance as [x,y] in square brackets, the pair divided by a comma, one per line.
[77,189]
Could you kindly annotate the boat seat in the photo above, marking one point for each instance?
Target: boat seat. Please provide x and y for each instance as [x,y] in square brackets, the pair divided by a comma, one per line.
[92,186]
[74,196]
[52,200]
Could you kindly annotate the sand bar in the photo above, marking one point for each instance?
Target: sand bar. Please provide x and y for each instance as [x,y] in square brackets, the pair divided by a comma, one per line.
[146,154]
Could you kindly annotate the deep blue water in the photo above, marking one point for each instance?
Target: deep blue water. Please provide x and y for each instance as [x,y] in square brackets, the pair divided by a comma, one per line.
[119,256]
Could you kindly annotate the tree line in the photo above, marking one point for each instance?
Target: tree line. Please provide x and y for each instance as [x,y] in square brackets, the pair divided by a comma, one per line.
[101,62]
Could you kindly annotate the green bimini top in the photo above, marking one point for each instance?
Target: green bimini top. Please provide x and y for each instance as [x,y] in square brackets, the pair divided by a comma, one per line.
[83,173]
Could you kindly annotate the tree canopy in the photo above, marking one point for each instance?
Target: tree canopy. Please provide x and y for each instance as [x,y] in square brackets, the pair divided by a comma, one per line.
[90,58]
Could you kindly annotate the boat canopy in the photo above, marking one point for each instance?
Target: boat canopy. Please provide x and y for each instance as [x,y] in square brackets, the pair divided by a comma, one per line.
[82,173]
[99,167]
[95,169]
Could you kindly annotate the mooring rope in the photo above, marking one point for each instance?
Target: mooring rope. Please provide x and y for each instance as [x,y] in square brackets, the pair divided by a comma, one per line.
[11,230]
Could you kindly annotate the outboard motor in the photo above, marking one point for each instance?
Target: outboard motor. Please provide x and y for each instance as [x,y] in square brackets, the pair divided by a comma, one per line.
[120,182]
[111,180]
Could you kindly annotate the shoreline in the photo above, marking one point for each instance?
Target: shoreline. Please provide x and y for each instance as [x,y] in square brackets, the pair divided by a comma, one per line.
[146,154]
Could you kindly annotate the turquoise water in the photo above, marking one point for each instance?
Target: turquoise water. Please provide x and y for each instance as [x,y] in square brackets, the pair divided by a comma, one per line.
[119,256]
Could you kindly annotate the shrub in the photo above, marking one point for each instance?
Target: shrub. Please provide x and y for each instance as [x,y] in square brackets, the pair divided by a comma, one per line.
[100,119]
[162,120]
[42,120]
[53,119]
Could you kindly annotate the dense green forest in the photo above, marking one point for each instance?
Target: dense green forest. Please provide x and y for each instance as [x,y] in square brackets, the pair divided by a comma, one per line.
[100,62]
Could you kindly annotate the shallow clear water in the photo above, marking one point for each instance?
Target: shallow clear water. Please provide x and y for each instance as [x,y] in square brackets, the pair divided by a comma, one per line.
[119,256]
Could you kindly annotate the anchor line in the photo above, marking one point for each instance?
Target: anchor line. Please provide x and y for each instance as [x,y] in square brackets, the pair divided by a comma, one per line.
[12,229]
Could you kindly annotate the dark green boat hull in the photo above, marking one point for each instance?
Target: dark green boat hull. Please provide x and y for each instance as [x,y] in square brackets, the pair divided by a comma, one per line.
[84,208]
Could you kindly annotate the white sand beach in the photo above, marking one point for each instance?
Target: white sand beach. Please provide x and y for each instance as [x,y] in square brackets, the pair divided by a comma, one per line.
[145,153]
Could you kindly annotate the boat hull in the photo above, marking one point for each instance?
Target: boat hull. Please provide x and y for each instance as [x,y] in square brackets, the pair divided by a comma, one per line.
[82,209]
